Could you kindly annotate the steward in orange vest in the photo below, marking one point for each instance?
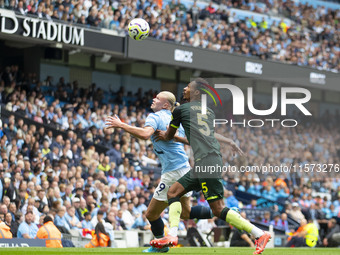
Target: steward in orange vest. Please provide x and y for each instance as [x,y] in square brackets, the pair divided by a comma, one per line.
[100,238]
[5,231]
[51,233]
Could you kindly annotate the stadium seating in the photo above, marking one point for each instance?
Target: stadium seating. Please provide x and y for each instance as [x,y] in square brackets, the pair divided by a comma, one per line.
[89,153]
[54,148]
[266,26]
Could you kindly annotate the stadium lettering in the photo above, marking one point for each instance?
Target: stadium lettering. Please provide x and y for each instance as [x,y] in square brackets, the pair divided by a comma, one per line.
[317,78]
[183,56]
[53,31]
[252,67]
[5,14]
[13,245]
[46,30]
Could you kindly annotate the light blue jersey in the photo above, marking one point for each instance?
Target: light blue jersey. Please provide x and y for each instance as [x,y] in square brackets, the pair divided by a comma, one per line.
[171,154]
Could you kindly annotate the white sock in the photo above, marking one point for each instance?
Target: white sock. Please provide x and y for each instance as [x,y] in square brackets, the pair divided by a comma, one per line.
[173,231]
[256,232]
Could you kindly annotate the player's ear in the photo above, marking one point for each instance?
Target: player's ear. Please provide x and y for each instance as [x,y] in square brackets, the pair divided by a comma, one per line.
[166,105]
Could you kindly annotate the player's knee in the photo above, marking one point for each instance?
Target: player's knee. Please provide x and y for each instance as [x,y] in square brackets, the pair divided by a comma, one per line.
[172,193]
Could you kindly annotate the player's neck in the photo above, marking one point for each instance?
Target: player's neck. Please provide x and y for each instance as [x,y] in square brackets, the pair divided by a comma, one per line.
[166,109]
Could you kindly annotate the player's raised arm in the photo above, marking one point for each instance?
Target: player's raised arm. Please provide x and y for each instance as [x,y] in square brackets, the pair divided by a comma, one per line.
[231,143]
[143,133]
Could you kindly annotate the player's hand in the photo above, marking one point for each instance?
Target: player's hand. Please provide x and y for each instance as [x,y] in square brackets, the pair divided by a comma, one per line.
[236,149]
[113,122]
[160,135]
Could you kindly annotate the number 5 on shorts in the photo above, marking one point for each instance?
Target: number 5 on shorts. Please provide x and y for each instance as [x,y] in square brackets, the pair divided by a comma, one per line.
[204,187]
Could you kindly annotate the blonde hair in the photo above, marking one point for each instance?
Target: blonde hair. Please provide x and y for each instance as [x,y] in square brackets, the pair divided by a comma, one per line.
[171,99]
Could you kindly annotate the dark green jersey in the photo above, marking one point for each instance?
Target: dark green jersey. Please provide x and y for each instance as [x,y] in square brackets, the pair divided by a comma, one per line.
[199,128]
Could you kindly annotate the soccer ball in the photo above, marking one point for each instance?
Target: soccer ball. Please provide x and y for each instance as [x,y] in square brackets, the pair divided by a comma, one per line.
[138,29]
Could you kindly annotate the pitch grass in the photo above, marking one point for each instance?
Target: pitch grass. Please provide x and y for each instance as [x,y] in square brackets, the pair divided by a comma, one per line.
[186,251]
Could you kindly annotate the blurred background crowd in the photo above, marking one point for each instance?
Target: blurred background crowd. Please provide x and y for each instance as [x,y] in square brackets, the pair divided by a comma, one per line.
[295,32]
[56,157]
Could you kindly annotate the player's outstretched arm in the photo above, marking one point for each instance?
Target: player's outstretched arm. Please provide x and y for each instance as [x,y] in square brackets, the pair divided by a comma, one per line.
[230,142]
[165,135]
[142,133]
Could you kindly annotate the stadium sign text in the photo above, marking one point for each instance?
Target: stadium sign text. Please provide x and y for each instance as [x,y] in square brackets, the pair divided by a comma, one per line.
[183,56]
[36,28]
[12,245]
[317,78]
[252,67]
[21,242]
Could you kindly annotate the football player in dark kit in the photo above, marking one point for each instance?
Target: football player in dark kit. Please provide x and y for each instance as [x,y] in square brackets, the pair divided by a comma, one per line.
[199,130]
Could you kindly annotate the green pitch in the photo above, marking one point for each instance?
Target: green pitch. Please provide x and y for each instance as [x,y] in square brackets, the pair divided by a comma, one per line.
[186,251]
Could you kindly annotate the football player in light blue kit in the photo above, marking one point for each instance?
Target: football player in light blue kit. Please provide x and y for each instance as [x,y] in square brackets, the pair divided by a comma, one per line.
[173,160]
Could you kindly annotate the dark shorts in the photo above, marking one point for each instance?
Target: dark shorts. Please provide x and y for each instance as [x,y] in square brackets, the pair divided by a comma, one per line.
[210,184]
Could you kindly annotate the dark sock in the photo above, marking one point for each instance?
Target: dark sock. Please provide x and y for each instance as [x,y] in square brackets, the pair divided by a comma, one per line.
[157,227]
[173,200]
[200,212]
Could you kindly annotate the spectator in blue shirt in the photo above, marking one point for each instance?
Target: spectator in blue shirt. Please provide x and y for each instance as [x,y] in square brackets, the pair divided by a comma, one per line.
[253,204]
[230,200]
[71,218]
[252,189]
[141,222]
[1,175]
[28,229]
[269,193]
[284,222]
[141,205]
[327,212]
[241,188]
[336,203]
[258,186]
[266,218]
[334,211]
[86,223]
[276,222]
[57,143]
[133,210]
[279,192]
[114,23]
[60,220]
[1,132]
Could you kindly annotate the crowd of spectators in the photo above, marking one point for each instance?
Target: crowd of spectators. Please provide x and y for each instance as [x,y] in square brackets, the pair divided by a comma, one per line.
[312,38]
[66,175]
[306,193]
